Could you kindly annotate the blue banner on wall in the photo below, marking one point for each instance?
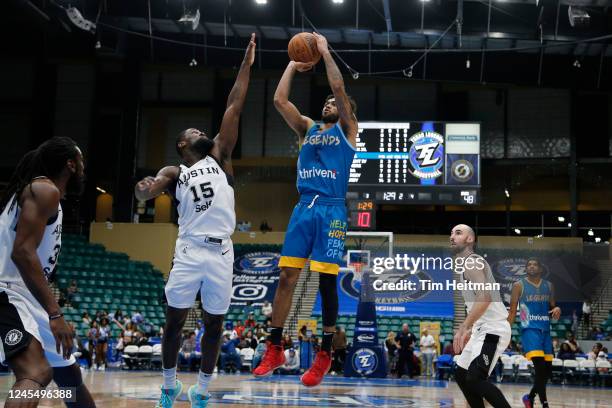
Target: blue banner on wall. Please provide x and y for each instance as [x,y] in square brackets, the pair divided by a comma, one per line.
[255,278]
[419,301]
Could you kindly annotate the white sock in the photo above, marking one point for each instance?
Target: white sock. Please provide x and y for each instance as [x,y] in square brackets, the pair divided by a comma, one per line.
[169,377]
[203,380]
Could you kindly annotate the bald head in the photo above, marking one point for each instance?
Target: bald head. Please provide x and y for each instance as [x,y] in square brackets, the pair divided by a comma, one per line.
[462,238]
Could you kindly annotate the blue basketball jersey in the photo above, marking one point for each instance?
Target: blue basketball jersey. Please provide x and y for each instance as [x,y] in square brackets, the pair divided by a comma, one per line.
[534,305]
[324,163]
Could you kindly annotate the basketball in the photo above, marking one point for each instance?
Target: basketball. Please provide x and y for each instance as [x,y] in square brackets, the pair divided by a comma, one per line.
[303,48]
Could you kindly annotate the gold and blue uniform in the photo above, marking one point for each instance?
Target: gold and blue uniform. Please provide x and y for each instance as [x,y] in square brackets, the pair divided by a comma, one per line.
[318,224]
[535,319]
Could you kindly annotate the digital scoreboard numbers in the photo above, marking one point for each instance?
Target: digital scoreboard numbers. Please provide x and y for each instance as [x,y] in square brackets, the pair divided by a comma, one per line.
[417,163]
[362,215]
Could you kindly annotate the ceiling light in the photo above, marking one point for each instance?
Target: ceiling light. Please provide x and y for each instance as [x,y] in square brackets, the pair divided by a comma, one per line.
[261,1]
[590,233]
[507,193]
[517,231]
[597,239]
[569,225]
[576,64]
[101,190]
[337,1]
[561,219]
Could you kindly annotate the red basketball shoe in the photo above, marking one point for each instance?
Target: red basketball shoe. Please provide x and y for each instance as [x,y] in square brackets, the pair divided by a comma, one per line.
[321,365]
[272,359]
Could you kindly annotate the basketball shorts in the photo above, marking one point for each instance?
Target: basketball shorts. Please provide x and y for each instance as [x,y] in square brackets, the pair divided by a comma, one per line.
[22,318]
[487,343]
[317,229]
[205,265]
[537,343]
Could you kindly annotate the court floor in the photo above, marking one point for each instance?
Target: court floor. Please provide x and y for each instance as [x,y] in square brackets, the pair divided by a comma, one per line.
[141,389]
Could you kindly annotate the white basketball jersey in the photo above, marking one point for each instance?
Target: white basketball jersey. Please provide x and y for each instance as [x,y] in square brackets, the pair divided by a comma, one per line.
[496,310]
[48,250]
[205,201]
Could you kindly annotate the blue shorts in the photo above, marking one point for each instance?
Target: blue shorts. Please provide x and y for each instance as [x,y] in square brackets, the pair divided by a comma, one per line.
[317,229]
[537,343]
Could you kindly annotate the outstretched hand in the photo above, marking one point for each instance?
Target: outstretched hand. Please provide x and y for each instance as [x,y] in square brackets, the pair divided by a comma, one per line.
[321,43]
[249,56]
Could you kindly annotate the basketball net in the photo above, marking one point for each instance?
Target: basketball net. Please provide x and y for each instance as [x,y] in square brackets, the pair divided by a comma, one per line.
[357,268]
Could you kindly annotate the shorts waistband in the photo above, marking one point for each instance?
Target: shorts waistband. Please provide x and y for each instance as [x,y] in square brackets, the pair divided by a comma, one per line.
[207,240]
[317,199]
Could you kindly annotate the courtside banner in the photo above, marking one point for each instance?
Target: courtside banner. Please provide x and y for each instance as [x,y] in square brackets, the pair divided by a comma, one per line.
[255,278]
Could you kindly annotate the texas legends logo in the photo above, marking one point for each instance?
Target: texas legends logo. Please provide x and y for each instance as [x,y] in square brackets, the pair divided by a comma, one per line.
[365,361]
[426,155]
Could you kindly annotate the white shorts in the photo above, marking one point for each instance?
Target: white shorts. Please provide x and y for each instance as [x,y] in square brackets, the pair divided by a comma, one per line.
[21,318]
[203,267]
[487,343]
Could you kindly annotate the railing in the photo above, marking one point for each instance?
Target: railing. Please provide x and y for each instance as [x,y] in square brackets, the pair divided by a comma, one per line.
[293,320]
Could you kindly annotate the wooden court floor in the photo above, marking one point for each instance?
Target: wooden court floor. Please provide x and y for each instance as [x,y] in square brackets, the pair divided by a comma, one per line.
[141,389]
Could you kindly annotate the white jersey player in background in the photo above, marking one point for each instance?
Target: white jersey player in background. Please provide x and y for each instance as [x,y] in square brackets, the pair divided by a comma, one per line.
[204,255]
[35,340]
[485,333]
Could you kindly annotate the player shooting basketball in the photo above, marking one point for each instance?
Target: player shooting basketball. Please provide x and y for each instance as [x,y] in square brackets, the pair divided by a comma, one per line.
[317,227]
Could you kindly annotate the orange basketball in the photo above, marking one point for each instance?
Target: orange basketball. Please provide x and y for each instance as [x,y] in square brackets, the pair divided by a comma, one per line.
[303,48]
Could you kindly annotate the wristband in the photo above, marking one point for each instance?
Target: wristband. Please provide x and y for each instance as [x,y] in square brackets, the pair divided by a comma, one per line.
[57,316]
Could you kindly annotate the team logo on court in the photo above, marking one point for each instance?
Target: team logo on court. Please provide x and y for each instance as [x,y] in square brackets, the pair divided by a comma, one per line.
[258,263]
[13,337]
[426,155]
[462,170]
[365,361]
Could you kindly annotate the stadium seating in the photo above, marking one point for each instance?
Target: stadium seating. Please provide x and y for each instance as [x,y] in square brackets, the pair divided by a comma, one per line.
[108,281]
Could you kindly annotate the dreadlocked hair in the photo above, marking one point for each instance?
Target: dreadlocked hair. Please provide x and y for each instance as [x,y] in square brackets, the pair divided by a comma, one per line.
[48,160]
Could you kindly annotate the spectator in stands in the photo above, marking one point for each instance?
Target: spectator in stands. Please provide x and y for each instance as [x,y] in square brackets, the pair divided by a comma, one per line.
[259,352]
[391,351]
[586,313]
[252,341]
[199,328]
[61,301]
[339,345]
[102,339]
[229,330]
[573,343]
[140,339]
[187,353]
[85,318]
[314,341]
[230,359]
[264,227]
[288,342]
[292,363]
[137,318]
[79,347]
[566,352]
[266,309]
[248,309]
[556,345]
[449,348]
[574,321]
[405,342]
[267,323]
[92,335]
[71,291]
[118,315]
[598,334]
[250,321]
[239,329]
[594,353]
[260,334]
[303,333]
[428,351]
[602,356]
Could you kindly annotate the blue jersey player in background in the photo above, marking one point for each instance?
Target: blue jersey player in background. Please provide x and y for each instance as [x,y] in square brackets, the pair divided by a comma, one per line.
[317,227]
[534,297]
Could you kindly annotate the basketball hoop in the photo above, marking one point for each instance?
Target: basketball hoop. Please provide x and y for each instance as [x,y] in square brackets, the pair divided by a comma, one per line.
[357,268]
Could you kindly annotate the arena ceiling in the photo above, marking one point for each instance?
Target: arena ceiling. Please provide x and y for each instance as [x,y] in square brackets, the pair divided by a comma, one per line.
[383,37]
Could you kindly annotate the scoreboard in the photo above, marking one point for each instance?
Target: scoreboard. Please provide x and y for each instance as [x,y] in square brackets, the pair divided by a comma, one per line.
[413,163]
[417,163]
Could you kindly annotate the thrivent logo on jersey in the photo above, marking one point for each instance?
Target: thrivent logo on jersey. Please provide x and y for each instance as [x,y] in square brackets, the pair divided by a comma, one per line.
[324,140]
[310,173]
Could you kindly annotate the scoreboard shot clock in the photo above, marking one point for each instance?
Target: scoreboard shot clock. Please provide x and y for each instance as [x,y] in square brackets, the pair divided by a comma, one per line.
[416,163]
[362,215]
